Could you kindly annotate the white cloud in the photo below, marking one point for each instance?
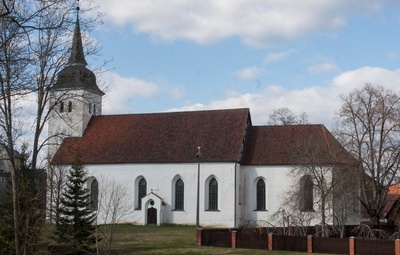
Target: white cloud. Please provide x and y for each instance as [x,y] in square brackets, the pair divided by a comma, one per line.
[374,75]
[278,56]
[125,89]
[249,73]
[256,22]
[322,68]
[319,102]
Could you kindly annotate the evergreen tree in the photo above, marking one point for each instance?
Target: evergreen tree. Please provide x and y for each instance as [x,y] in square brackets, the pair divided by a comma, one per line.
[75,231]
[31,205]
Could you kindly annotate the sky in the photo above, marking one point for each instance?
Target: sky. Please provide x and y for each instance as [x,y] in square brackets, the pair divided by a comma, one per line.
[181,55]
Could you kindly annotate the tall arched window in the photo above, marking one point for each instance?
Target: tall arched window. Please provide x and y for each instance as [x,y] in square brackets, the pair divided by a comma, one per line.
[261,195]
[179,194]
[306,194]
[94,109]
[61,106]
[90,107]
[213,194]
[142,191]
[94,194]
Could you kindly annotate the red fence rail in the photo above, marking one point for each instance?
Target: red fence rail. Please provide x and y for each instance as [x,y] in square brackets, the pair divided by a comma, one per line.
[310,244]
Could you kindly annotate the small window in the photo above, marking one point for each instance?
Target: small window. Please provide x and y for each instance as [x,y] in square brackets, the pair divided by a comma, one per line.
[94,194]
[261,195]
[69,106]
[179,194]
[306,194]
[61,106]
[90,107]
[213,195]
[94,109]
[142,191]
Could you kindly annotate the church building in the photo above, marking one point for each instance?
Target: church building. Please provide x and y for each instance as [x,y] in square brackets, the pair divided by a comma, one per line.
[209,168]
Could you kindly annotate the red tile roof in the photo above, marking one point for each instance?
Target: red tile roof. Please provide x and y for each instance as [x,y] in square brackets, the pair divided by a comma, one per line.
[174,138]
[159,138]
[293,145]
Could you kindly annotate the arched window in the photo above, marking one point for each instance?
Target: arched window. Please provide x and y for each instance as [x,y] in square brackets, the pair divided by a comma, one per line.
[94,109]
[61,106]
[90,107]
[213,195]
[261,195]
[306,194]
[142,191]
[69,106]
[94,194]
[179,194]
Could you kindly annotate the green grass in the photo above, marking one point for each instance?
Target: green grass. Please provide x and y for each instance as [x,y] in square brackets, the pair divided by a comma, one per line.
[131,239]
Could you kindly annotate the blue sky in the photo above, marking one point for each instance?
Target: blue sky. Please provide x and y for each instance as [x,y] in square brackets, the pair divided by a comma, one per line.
[263,54]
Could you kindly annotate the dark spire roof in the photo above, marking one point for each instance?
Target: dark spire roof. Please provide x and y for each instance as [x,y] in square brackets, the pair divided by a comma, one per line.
[75,75]
[77,57]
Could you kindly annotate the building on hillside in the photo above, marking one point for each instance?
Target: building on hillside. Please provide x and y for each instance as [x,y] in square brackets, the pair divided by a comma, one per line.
[212,168]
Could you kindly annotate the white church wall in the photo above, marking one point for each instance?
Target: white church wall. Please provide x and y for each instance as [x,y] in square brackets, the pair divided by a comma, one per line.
[161,180]
[276,180]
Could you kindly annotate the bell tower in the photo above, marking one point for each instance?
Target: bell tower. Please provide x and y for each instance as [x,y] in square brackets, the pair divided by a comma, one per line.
[75,97]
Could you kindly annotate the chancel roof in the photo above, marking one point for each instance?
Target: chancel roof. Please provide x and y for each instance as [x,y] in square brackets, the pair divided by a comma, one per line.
[293,145]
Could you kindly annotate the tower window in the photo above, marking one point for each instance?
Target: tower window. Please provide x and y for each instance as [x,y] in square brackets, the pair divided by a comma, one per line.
[69,106]
[90,107]
[94,109]
[62,107]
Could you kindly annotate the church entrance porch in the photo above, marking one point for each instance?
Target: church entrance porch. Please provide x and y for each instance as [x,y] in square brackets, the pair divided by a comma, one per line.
[152,209]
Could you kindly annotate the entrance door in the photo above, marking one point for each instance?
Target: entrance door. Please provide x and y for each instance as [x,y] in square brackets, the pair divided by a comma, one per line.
[152,216]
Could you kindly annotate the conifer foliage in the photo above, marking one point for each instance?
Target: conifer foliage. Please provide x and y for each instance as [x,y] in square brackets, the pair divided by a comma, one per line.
[31,207]
[75,231]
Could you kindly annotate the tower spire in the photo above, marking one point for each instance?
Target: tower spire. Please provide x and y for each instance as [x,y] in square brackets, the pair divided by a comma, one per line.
[77,57]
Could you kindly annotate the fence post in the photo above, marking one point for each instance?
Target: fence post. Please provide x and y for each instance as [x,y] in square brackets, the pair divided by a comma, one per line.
[270,241]
[198,236]
[397,246]
[309,243]
[234,238]
[352,247]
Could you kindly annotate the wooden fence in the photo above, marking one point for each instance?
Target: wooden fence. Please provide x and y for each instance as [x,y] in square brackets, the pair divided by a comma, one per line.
[310,244]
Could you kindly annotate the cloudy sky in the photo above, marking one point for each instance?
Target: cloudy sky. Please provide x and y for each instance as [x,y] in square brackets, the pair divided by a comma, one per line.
[174,55]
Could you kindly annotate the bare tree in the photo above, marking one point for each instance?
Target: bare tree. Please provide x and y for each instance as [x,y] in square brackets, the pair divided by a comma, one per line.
[32,50]
[284,116]
[114,204]
[368,126]
[319,180]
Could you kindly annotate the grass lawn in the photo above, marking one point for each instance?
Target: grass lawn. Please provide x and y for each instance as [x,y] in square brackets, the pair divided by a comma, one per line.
[131,239]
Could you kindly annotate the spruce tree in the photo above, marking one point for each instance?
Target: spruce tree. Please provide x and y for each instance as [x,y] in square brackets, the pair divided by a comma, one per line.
[75,231]
[31,207]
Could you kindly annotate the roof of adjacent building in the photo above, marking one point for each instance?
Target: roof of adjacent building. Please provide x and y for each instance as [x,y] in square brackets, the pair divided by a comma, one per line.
[223,135]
